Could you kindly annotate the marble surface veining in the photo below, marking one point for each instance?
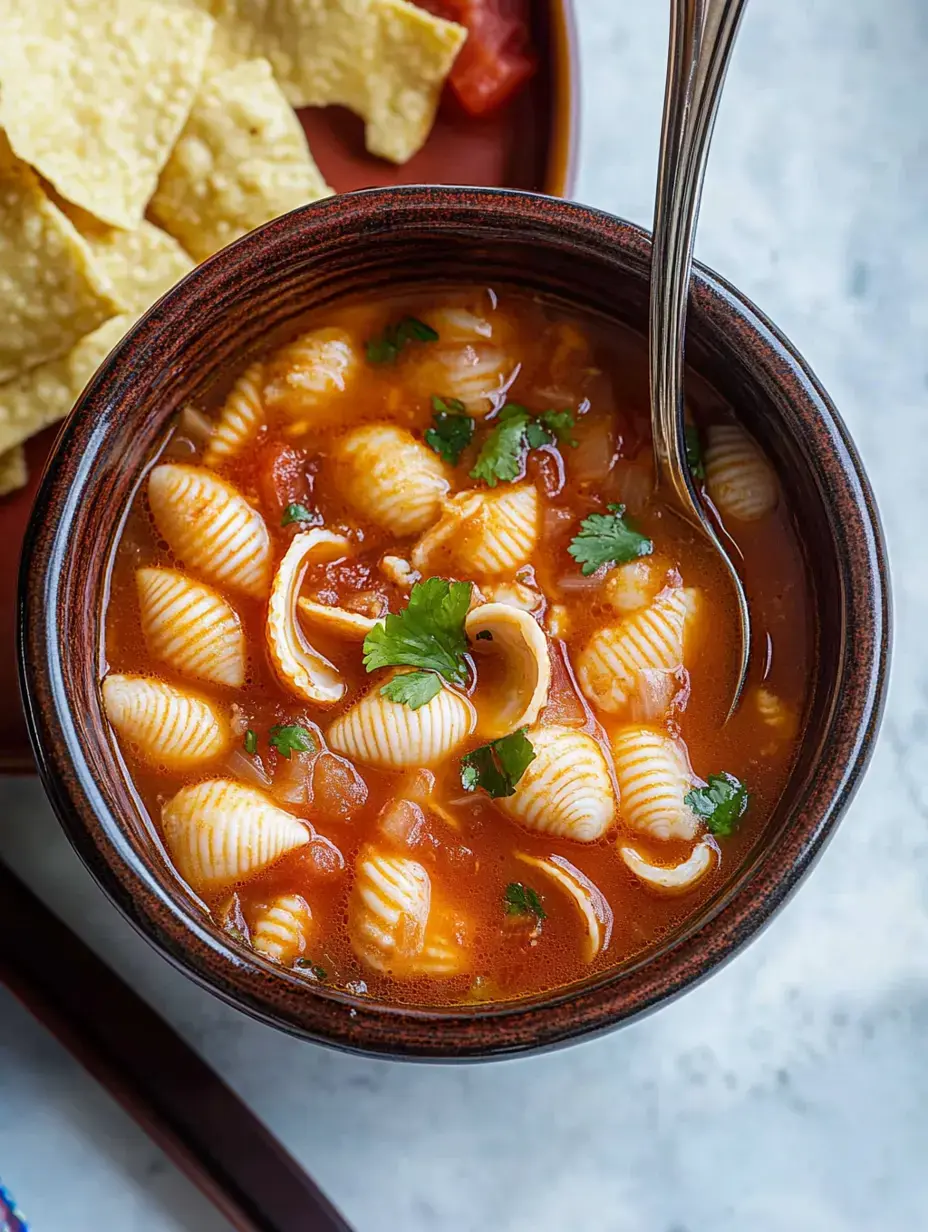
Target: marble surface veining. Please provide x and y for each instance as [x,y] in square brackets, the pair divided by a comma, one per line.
[790,1092]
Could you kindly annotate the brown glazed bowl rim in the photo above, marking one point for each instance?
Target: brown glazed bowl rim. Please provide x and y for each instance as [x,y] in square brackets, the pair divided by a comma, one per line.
[330,1016]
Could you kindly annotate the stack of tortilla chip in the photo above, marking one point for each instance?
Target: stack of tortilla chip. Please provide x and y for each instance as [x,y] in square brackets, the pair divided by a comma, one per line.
[138,137]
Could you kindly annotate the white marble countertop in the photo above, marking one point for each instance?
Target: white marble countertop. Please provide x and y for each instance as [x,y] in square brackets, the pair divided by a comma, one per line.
[790,1092]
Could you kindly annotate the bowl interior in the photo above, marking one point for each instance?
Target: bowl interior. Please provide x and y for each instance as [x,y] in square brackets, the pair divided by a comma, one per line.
[255,293]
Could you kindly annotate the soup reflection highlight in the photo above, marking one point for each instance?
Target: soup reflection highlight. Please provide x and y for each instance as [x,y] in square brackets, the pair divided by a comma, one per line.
[421,683]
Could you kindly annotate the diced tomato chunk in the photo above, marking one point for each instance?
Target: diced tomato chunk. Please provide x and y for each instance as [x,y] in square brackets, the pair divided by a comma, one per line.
[496,60]
[285,477]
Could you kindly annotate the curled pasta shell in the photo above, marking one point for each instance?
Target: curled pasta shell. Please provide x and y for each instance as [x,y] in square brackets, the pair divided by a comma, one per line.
[594,909]
[306,673]
[741,481]
[380,732]
[631,665]
[388,910]
[219,832]
[386,475]
[567,789]
[654,777]
[482,533]
[211,527]
[166,726]
[280,930]
[513,691]
[336,621]
[675,878]
[305,379]
[190,627]
[240,420]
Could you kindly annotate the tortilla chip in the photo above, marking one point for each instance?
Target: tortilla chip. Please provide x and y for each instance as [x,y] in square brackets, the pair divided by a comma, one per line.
[13,471]
[384,59]
[241,160]
[50,289]
[142,264]
[93,94]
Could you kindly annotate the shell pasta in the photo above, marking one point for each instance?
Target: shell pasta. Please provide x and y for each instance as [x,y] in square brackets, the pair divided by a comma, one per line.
[418,679]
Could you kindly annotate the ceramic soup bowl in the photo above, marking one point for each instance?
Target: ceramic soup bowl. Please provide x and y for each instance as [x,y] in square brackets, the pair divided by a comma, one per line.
[253,292]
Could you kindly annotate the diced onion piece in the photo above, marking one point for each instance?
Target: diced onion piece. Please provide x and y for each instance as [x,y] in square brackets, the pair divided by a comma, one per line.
[595,910]
[520,672]
[299,666]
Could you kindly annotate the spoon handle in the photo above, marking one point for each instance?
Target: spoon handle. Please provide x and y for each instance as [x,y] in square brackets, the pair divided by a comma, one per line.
[702,35]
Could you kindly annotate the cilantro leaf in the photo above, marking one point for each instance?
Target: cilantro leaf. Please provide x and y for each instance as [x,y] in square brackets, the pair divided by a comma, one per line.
[427,633]
[501,454]
[386,348]
[515,430]
[453,431]
[291,738]
[251,742]
[498,766]
[313,968]
[721,804]
[607,539]
[694,458]
[551,426]
[523,900]
[299,513]
[413,688]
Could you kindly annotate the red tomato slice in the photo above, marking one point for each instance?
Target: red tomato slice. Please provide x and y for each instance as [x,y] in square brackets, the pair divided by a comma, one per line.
[496,59]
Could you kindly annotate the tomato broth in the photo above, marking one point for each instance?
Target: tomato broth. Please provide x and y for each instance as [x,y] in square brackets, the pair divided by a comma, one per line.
[412,883]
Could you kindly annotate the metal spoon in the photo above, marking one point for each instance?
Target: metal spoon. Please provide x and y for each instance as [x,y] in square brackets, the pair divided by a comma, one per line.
[702,34]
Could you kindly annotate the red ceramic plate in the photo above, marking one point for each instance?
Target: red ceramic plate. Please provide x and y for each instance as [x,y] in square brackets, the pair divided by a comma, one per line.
[530,145]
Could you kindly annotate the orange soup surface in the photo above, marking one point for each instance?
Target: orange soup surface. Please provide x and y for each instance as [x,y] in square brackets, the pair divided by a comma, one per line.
[419,680]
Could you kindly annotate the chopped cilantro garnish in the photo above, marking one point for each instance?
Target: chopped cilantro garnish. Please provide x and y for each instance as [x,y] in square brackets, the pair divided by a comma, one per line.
[498,766]
[307,964]
[414,689]
[291,738]
[299,513]
[251,742]
[501,454]
[515,430]
[721,804]
[386,348]
[607,539]
[694,456]
[453,431]
[428,633]
[523,900]
[551,426]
